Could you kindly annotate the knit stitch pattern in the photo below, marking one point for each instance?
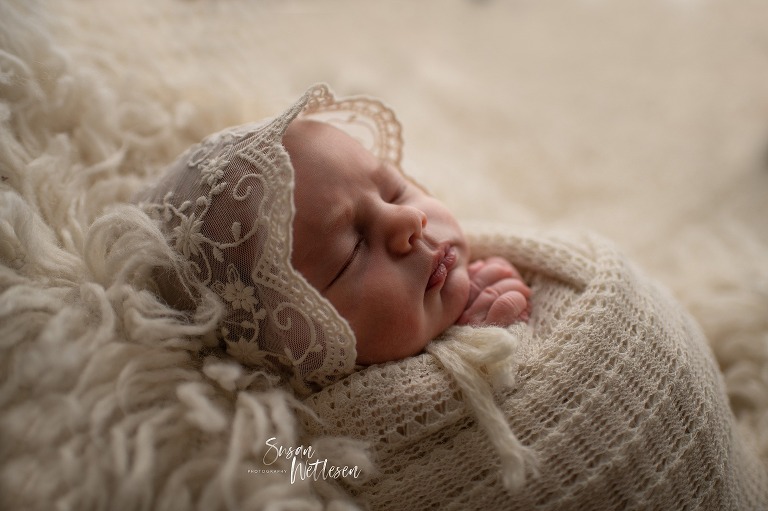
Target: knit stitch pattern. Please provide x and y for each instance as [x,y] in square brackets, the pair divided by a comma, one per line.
[616,393]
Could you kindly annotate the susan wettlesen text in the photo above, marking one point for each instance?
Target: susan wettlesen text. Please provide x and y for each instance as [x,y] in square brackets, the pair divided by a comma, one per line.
[303,466]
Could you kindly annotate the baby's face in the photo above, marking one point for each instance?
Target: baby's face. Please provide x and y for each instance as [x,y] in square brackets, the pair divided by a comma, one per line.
[390,258]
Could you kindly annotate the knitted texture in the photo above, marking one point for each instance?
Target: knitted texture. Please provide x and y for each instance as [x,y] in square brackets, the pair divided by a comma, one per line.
[616,393]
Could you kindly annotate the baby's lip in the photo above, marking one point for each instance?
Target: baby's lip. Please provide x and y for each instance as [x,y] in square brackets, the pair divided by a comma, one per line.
[442,263]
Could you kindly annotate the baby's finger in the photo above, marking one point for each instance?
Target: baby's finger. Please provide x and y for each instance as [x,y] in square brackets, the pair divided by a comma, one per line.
[478,306]
[507,309]
[490,293]
[486,276]
[477,311]
[500,261]
[475,265]
[511,284]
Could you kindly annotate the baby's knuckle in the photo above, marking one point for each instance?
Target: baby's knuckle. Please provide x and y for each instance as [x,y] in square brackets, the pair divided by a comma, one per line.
[491,292]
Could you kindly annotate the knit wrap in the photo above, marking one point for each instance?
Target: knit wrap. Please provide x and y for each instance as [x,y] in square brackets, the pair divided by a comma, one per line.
[616,395]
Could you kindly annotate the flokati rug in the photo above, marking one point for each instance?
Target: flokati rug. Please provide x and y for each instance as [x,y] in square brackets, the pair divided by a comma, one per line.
[644,121]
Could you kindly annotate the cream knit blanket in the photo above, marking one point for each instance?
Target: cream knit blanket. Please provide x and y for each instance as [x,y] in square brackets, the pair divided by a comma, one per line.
[616,394]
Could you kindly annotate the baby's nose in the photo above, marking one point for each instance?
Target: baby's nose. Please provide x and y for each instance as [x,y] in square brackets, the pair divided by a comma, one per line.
[406,225]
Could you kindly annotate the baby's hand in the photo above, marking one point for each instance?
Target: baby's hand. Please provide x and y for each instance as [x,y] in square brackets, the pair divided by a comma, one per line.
[497,296]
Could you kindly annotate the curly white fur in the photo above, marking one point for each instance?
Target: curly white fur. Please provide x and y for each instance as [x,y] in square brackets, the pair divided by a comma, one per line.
[106,403]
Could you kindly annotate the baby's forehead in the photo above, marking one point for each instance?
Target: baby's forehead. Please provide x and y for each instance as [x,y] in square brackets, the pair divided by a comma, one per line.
[302,131]
[308,128]
[327,138]
[315,144]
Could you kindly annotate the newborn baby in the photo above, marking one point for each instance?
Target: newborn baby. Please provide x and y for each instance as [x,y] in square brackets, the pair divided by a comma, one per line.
[390,257]
[325,255]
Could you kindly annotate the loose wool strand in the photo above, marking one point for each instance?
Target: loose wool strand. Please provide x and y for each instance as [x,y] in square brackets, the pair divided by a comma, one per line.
[465,355]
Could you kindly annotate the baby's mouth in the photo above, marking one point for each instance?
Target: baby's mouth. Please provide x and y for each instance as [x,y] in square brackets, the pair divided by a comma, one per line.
[443,263]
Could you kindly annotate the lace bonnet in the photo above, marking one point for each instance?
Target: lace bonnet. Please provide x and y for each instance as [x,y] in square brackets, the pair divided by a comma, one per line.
[226,204]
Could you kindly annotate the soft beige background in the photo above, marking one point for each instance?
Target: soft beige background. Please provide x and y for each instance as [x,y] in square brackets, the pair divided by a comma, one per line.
[646,121]
[637,119]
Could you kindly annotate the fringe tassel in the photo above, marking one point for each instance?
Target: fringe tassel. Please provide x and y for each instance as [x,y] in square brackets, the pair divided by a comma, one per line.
[472,356]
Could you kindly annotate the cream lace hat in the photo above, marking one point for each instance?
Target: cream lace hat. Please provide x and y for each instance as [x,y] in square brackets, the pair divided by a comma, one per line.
[226,204]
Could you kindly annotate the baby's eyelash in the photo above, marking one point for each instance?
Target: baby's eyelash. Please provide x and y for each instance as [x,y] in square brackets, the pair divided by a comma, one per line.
[348,262]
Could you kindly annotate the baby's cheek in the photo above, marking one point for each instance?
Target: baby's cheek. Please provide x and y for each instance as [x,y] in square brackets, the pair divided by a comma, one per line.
[389,330]
[463,285]
[455,302]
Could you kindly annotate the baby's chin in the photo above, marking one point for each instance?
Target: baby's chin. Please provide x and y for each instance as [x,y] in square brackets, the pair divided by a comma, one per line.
[393,345]
[454,300]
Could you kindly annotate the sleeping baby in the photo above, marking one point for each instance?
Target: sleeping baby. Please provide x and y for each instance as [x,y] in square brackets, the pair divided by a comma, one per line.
[586,386]
[317,245]
[390,258]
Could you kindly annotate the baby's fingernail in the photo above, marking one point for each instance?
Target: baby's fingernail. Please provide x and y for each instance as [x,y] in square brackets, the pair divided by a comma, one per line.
[476,264]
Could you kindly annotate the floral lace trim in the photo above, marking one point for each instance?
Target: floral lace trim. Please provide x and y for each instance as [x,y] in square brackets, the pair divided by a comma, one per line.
[273,316]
